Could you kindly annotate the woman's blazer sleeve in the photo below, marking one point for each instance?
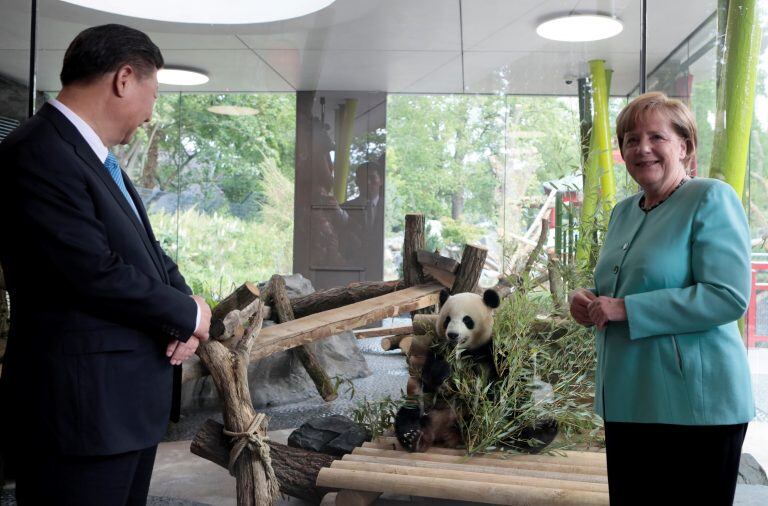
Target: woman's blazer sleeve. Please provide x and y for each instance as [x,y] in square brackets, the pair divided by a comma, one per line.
[720,266]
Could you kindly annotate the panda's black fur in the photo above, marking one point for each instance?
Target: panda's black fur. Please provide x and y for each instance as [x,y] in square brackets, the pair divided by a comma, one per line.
[420,424]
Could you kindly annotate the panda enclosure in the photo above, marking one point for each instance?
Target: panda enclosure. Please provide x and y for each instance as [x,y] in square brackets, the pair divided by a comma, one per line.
[237,339]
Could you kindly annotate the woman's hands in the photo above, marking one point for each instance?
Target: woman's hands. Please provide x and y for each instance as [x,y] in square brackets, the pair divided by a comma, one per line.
[589,309]
[579,301]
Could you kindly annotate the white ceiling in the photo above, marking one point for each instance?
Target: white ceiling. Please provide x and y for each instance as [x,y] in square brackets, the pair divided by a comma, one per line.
[399,46]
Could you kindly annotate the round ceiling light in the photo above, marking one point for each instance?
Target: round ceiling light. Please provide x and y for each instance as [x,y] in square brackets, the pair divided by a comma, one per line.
[181,77]
[231,12]
[580,28]
[233,110]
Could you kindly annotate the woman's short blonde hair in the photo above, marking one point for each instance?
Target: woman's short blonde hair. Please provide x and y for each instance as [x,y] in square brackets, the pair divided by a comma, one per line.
[678,114]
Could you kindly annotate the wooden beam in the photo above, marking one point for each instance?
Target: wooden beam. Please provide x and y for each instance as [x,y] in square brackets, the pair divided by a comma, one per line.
[327,323]
[384,331]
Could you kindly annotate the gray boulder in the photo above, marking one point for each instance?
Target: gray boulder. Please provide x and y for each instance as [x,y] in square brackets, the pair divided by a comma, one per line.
[750,471]
[335,435]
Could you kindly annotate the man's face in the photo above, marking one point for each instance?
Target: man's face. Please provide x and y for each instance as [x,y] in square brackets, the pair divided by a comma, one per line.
[141,100]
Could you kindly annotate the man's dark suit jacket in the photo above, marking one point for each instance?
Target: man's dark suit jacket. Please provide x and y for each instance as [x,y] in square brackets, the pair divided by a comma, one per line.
[94,299]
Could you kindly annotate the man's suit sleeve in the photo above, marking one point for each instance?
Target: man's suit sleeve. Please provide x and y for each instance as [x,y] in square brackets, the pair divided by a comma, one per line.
[720,264]
[174,274]
[56,215]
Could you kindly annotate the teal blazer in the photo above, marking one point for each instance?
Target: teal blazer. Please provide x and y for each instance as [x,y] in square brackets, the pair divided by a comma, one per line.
[683,270]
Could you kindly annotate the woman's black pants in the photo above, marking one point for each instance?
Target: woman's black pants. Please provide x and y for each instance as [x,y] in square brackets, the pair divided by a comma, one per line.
[658,464]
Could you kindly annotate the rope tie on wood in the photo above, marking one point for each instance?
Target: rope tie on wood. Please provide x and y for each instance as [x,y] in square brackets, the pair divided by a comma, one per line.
[255,442]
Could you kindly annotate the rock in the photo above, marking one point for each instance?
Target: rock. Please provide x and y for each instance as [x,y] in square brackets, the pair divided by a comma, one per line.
[280,378]
[335,435]
[750,472]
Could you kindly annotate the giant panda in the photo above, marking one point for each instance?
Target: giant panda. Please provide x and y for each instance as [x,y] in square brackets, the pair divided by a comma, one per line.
[463,328]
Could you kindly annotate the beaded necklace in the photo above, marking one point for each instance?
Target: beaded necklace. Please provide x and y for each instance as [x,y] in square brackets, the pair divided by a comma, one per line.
[657,204]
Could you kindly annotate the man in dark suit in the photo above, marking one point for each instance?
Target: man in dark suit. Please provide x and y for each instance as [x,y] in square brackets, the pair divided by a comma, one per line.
[99,313]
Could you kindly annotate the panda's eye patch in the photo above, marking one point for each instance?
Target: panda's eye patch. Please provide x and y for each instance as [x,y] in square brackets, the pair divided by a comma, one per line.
[446,321]
[469,322]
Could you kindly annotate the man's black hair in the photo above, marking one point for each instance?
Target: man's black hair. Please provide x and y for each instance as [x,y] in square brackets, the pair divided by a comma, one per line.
[102,49]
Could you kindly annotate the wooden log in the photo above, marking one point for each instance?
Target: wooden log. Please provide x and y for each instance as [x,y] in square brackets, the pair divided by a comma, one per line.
[392,342]
[311,328]
[442,488]
[405,344]
[434,259]
[596,459]
[413,241]
[332,298]
[444,278]
[516,462]
[238,299]
[460,466]
[277,295]
[525,272]
[229,369]
[384,331]
[470,474]
[296,469]
[424,323]
[472,261]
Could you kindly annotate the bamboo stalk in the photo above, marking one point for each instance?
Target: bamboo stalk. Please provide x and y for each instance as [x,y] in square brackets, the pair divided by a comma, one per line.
[602,136]
[736,96]
[341,160]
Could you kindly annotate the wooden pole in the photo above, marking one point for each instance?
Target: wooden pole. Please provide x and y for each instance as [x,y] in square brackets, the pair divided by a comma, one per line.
[472,261]
[229,369]
[283,312]
[413,241]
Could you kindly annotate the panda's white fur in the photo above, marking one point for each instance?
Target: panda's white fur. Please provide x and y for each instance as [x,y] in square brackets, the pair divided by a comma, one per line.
[465,320]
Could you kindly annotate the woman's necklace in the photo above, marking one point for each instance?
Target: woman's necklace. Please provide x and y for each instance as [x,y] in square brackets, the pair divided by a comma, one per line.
[657,204]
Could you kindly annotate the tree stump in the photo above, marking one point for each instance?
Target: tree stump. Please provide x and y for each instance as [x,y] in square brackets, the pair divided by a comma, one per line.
[256,484]
[472,261]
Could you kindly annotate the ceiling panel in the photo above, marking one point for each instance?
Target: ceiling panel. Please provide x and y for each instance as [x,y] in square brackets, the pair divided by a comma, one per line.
[355,70]
[396,45]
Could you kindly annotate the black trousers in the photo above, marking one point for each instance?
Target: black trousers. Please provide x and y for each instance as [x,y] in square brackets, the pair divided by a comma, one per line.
[673,464]
[61,480]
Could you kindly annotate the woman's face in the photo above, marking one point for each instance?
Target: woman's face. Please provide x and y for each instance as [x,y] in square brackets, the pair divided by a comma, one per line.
[654,153]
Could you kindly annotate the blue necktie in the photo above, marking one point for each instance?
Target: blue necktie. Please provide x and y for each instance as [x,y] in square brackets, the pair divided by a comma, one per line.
[114,170]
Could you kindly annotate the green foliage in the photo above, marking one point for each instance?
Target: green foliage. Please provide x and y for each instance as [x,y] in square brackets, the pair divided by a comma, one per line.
[217,253]
[458,233]
[376,416]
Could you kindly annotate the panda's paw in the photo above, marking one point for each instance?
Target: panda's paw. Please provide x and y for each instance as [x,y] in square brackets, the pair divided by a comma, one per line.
[535,439]
[408,426]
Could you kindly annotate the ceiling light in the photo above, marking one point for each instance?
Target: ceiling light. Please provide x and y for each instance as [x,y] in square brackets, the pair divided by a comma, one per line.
[233,110]
[580,28]
[231,12]
[181,76]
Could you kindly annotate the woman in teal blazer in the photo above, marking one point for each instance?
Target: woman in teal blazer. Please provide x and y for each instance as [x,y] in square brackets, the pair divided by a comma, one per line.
[673,277]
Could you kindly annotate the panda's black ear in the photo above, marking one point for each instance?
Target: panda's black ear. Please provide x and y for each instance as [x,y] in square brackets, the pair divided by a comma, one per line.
[444,294]
[491,299]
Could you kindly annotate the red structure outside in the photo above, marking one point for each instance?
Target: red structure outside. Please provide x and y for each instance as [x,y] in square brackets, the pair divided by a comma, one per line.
[752,337]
